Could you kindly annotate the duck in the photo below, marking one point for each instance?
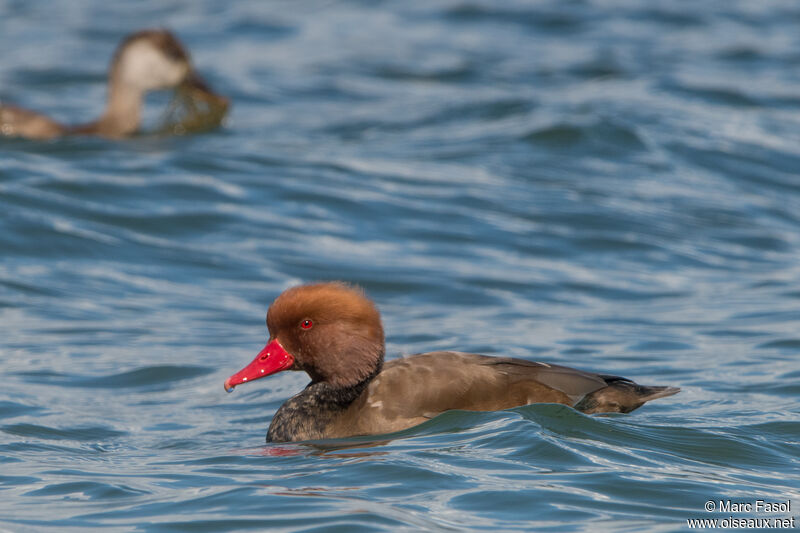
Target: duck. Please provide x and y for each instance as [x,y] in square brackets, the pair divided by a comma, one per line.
[333,332]
[147,60]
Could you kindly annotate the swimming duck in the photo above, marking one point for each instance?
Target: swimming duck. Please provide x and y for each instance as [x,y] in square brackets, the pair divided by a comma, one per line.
[333,332]
[144,61]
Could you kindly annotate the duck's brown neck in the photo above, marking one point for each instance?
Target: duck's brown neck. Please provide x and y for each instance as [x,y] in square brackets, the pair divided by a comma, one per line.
[122,115]
[124,110]
[305,415]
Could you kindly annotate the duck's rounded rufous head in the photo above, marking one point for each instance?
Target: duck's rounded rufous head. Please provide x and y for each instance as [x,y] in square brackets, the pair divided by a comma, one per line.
[332,331]
[151,60]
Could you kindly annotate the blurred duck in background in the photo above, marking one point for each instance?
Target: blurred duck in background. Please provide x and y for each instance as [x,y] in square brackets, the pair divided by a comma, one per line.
[147,60]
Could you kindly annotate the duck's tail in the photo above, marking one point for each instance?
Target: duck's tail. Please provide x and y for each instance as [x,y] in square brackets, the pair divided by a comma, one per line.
[621,395]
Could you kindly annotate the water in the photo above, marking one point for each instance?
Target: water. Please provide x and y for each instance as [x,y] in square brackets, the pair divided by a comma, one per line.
[608,185]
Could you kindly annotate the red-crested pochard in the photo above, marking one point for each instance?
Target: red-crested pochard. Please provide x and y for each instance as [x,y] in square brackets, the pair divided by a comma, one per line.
[144,61]
[333,332]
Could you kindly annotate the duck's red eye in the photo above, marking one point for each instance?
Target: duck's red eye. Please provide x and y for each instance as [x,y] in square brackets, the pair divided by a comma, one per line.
[306,324]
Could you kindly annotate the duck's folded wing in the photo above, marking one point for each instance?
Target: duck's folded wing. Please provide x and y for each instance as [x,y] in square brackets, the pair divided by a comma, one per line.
[573,382]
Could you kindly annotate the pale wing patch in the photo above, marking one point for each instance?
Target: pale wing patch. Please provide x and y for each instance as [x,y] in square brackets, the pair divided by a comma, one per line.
[370,390]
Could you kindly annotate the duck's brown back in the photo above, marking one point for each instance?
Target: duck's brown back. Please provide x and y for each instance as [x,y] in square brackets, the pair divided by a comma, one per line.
[18,122]
[411,390]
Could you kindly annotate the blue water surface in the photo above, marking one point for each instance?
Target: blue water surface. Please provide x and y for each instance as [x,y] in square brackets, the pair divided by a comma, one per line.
[611,185]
